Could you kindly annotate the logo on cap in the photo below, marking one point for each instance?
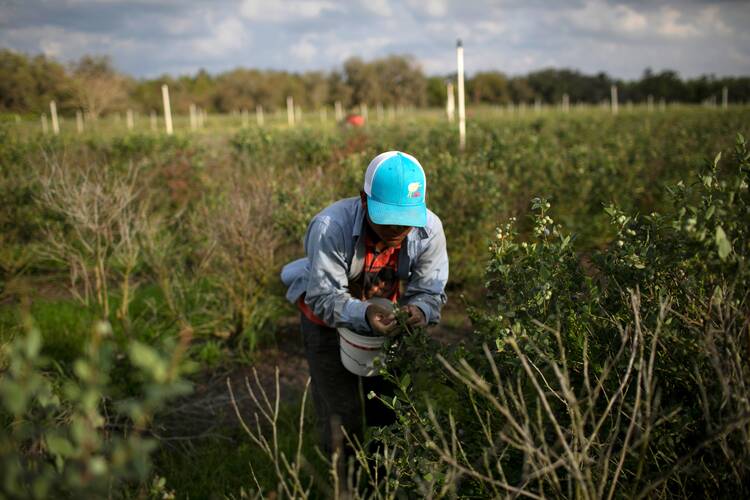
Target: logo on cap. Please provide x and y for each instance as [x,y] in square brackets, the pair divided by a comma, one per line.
[414,190]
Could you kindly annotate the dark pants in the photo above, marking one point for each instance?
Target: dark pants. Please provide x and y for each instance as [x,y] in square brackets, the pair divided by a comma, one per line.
[340,397]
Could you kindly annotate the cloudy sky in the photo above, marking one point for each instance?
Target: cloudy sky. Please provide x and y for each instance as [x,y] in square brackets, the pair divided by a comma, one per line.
[147,38]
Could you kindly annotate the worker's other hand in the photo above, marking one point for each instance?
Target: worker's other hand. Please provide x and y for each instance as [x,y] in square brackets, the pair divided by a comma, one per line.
[381,320]
[415,316]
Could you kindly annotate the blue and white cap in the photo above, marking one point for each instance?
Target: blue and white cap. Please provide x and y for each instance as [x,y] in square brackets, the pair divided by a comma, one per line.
[395,186]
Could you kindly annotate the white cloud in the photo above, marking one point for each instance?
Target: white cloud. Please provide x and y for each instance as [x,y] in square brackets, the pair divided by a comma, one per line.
[599,17]
[630,20]
[491,28]
[50,48]
[54,41]
[710,17]
[670,24]
[339,50]
[380,7]
[620,37]
[181,25]
[304,50]
[226,35]
[433,8]
[280,10]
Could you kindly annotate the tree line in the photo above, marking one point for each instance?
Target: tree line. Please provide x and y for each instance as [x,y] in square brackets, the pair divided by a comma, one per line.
[28,83]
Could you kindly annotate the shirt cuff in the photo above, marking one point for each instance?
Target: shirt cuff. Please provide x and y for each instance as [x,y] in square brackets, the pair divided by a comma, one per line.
[424,308]
[356,312]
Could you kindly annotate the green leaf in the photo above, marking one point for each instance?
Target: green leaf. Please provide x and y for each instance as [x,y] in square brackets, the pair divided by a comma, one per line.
[143,356]
[58,445]
[717,159]
[565,242]
[405,381]
[14,398]
[33,343]
[723,243]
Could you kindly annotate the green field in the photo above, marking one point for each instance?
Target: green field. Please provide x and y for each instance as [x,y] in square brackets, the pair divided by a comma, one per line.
[596,339]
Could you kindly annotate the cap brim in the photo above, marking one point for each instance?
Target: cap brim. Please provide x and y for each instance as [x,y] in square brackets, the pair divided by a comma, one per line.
[397,215]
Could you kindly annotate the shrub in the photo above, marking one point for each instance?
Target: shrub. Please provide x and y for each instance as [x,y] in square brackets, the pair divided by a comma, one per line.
[623,373]
[70,435]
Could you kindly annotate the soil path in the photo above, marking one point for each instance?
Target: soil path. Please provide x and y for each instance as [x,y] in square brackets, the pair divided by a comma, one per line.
[209,411]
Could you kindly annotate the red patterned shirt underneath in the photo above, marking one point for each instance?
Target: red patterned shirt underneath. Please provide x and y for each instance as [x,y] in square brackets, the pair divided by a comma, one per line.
[379,277]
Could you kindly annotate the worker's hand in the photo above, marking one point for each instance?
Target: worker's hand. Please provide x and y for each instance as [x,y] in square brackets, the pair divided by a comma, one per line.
[415,318]
[381,320]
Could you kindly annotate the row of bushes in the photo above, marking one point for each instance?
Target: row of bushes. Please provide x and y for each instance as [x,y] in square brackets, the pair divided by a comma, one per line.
[600,341]
[624,374]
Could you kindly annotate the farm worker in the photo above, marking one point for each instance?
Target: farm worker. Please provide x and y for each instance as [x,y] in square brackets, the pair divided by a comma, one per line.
[384,243]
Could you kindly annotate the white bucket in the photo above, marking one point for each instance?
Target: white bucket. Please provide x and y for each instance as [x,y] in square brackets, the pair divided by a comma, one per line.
[358,352]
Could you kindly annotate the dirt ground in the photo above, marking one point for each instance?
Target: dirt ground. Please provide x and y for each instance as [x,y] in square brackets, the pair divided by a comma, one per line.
[209,408]
[208,411]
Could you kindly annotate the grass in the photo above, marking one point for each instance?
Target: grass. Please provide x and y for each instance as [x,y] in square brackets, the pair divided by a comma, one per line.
[65,327]
[218,467]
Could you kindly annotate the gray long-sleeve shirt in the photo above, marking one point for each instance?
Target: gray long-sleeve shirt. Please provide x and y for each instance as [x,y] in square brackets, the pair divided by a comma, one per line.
[334,245]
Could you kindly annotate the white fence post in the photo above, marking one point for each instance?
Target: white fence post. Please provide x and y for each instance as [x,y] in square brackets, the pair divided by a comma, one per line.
[53,113]
[193,118]
[461,107]
[725,97]
[167,109]
[290,111]
[339,111]
[613,99]
[130,119]
[79,121]
[259,118]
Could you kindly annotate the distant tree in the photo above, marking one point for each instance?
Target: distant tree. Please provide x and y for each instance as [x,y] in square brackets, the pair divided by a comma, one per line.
[393,80]
[436,91]
[99,88]
[363,81]
[316,89]
[550,84]
[28,84]
[489,87]
[663,85]
[236,89]
[338,90]
[400,81]
[521,91]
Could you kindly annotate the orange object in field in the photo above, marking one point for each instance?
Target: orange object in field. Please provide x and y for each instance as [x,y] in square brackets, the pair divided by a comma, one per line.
[355,120]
